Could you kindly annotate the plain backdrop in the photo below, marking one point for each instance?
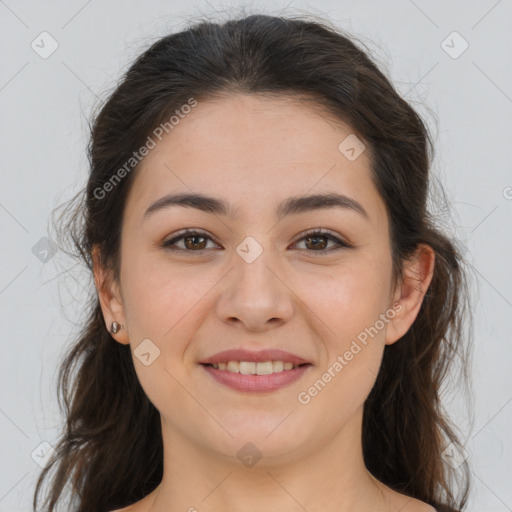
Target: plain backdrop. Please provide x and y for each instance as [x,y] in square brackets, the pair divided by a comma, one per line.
[451,60]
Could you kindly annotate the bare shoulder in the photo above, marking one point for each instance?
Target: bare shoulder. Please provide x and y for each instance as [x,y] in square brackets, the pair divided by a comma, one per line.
[418,506]
[408,504]
[136,507]
[140,506]
[131,508]
[405,503]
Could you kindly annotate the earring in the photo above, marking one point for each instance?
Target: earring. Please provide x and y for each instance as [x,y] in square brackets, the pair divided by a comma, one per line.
[115,327]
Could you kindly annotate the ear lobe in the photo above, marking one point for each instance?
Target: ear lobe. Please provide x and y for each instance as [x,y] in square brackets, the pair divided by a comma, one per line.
[418,273]
[109,297]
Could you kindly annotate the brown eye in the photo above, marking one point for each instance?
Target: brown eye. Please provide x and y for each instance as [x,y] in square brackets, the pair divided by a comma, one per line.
[317,241]
[193,241]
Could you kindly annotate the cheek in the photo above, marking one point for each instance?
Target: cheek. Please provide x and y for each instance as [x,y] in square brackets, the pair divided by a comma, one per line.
[348,299]
[161,297]
[350,305]
[162,305]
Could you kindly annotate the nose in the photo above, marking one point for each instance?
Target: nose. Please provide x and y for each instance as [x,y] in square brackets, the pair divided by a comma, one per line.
[255,294]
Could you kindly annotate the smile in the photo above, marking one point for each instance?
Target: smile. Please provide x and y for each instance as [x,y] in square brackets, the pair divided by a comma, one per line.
[253,368]
[250,376]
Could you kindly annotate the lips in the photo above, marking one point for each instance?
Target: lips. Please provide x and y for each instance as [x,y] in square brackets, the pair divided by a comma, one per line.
[256,383]
[288,369]
[256,357]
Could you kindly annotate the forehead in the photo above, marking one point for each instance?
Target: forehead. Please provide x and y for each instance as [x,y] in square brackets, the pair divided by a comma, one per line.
[249,149]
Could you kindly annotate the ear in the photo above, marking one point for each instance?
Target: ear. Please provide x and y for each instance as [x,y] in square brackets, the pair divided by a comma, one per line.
[418,272]
[109,296]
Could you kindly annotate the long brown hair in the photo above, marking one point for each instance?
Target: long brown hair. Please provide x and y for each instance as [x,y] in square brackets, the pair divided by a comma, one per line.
[111,449]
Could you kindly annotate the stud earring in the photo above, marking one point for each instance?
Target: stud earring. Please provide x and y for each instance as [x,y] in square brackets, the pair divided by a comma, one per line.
[115,327]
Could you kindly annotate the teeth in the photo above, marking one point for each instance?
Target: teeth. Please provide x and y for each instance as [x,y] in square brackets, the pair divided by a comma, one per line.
[252,368]
[262,368]
[277,366]
[232,366]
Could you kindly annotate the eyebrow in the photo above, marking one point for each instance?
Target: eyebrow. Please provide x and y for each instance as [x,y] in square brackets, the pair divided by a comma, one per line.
[290,206]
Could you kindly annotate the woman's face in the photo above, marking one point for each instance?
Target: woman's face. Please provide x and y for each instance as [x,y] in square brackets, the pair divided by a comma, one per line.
[253,280]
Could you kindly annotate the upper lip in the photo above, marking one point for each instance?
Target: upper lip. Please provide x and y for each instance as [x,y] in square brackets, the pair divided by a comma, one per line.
[248,355]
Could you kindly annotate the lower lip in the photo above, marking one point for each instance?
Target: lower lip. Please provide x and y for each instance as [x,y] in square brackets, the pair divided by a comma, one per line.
[257,383]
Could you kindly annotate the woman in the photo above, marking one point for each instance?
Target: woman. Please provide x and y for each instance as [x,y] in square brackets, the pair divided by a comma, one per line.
[275,309]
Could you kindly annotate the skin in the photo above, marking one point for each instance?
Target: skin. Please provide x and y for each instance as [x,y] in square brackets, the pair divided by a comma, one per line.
[254,152]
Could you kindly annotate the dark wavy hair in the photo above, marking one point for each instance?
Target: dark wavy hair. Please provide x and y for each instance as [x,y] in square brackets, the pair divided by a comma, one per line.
[111,451]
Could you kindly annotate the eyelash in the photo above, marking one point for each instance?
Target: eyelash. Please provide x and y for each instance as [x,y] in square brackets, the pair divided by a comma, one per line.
[310,233]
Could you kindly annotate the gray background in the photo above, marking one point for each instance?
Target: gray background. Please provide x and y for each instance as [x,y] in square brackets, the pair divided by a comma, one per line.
[46,102]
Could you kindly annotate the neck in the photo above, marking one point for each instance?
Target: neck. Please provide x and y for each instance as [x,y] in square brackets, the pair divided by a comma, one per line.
[319,478]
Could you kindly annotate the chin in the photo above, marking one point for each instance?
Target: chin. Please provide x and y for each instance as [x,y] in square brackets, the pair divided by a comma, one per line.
[267,440]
